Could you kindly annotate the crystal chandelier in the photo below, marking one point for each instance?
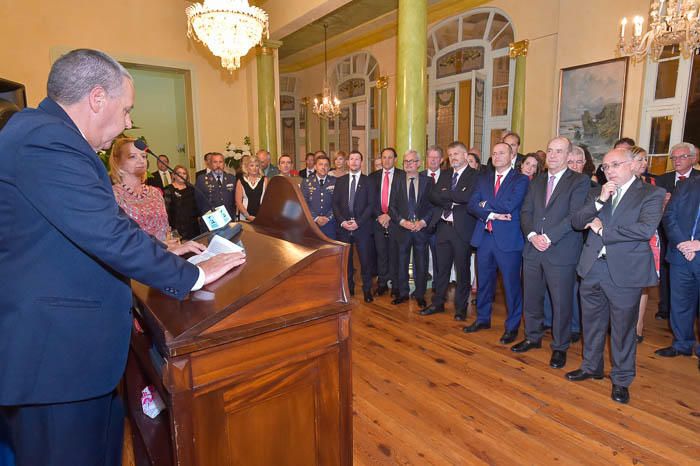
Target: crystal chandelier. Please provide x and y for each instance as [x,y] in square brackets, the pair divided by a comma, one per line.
[672,22]
[329,107]
[229,28]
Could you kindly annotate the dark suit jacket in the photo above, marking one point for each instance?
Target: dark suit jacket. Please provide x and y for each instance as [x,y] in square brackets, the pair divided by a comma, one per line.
[376,179]
[509,200]
[626,234]
[554,219]
[66,255]
[155,180]
[364,202]
[680,217]
[303,172]
[442,197]
[398,205]
[668,180]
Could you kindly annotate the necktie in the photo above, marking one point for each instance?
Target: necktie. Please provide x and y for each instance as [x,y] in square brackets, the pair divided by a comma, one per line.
[412,198]
[218,181]
[615,199]
[351,202]
[321,181]
[550,188]
[166,179]
[385,193]
[433,176]
[497,186]
[681,178]
[455,177]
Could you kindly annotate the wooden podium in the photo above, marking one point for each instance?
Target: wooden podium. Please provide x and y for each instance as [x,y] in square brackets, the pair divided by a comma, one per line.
[260,374]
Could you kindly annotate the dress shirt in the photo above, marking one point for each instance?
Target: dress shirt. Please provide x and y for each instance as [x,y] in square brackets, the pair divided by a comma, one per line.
[459,172]
[557,177]
[622,190]
[495,177]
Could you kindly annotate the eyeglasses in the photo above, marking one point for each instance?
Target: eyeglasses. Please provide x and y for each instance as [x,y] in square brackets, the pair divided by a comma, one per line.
[607,166]
[575,162]
[680,157]
[411,161]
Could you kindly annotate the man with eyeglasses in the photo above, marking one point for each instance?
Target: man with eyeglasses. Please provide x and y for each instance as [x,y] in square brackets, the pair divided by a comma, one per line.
[615,265]
[683,156]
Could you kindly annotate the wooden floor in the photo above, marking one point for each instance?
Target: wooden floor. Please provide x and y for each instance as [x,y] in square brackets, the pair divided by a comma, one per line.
[427,393]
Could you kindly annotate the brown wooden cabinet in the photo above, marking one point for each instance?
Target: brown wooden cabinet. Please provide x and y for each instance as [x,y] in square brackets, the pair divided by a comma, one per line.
[260,375]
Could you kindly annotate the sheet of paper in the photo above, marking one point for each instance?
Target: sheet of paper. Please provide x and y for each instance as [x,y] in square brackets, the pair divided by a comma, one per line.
[217,245]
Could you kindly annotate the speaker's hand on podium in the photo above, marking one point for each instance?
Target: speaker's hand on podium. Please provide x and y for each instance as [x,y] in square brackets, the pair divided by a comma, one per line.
[184,248]
[218,265]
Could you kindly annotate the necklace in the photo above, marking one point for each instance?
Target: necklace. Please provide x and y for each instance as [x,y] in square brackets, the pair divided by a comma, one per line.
[132,193]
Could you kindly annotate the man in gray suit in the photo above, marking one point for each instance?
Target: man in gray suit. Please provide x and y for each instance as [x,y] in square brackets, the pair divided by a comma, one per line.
[615,265]
[552,250]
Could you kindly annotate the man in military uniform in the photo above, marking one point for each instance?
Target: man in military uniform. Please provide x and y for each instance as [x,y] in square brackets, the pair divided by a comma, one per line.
[219,187]
[318,193]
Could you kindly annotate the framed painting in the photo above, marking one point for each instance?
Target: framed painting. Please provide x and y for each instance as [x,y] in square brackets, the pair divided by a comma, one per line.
[591,104]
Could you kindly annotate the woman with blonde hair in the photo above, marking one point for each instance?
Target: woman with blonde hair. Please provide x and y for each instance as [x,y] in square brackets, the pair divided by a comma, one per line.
[340,163]
[250,188]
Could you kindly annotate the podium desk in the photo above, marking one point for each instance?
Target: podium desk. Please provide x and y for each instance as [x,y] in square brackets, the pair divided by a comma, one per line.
[261,373]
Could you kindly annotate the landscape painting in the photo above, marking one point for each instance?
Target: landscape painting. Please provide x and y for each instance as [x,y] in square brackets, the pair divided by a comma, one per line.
[591,104]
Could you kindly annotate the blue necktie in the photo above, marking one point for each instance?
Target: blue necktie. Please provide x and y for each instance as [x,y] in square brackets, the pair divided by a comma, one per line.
[455,177]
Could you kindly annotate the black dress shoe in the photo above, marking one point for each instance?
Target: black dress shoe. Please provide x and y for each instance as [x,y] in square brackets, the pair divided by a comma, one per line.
[670,352]
[381,289]
[430,310]
[639,338]
[421,302]
[558,359]
[508,337]
[661,315]
[620,394]
[461,316]
[546,328]
[579,375]
[352,291]
[476,326]
[399,300]
[368,297]
[575,336]
[526,345]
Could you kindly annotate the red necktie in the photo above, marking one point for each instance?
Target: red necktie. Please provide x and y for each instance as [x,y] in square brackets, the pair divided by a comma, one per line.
[385,193]
[489,224]
[433,175]
[682,178]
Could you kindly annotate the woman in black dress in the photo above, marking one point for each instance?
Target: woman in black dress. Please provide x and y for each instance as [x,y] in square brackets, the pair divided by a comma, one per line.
[250,189]
[180,204]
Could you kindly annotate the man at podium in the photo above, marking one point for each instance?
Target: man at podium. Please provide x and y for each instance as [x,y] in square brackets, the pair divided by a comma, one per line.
[67,256]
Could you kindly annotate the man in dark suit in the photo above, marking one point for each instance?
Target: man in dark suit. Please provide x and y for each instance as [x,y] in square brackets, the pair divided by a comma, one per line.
[353,201]
[455,225]
[682,225]
[684,155]
[433,159]
[161,177]
[68,256]
[410,207]
[219,187]
[207,166]
[496,203]
[386,183]
[318,193]
[552,250]
[310,162]
[513,140]
[615,265]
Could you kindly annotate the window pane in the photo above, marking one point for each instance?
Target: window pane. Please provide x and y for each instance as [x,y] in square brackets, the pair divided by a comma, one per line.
[460,61]
[474,26]
[479,114]
[351,88]
[497,25]
[660,134]
[344,122]
[666,79]
[499,101]
[373,107]
[286,102]
[288,142]
[496,137]
[692,118]
[503,39]
[444,117]
[447,34]
[302,117]
[501,71]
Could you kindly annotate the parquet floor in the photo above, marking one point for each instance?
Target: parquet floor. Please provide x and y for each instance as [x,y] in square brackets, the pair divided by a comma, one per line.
[425,393]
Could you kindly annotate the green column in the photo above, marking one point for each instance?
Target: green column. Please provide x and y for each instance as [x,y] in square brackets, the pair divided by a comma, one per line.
[518,52]
[411,77]
[267,103]
[382,84]
[323,123]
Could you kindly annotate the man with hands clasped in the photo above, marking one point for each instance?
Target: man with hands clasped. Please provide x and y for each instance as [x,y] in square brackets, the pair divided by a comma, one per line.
[615,265]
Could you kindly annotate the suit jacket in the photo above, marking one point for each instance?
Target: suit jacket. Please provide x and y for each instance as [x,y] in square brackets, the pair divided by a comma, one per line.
[443,197]
[364,202]
[680,217]
[554,219]
[319,198]
[626,234]
[304,172]
[376,179]
[509,200]
[66,258]
[215,195]
[668,180]
[398,204]
[155,180]
[271,171]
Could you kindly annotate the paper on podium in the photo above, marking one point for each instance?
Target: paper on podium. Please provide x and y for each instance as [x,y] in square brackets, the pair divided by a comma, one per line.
[217,245]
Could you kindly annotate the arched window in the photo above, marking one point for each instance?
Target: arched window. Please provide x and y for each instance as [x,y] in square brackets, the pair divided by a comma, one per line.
[354,78]
[292,124]
[470,78]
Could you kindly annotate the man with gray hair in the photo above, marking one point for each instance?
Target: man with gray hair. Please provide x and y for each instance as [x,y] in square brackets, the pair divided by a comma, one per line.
[68,254]
[268,169]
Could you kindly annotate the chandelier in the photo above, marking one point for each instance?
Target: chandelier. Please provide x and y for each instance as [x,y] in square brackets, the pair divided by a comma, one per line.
[329,106]
[229,28]
[672,22]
